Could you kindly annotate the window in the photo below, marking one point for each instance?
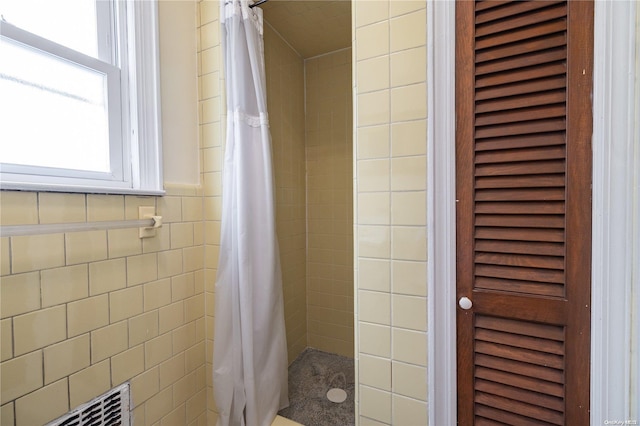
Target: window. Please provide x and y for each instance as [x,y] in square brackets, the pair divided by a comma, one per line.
[80,107]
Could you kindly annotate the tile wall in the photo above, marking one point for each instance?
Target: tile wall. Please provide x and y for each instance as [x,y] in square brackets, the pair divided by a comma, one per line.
[85,311]
[329,143]
[390,214]
[285,99]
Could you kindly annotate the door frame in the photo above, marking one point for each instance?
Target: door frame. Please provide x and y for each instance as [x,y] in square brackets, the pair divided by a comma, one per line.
[615,235]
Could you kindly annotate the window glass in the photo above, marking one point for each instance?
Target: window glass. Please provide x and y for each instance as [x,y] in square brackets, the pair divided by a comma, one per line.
[54,112]
[72,23]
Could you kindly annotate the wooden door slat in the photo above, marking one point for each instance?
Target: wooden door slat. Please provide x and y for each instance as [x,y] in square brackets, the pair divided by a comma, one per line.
[520,194]
[550,235]
[521,368]
[552,207]
[521,87]
[527,261]
[505,417]
[522,101]
[520,221]
[520,115]
[529,41]
[518,394]
[514,8]
[520,408]
[518,286]
[542,248]
[520,142]
[521,168]
[543,331]
[527,383]
[522,181]
[547,14]
[530,73]
[526,128]
[518,273]
[525,33]
[521,354]
[511,60]
[550,48]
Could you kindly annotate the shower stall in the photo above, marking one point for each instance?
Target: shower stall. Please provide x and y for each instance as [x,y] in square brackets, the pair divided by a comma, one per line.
[309,96]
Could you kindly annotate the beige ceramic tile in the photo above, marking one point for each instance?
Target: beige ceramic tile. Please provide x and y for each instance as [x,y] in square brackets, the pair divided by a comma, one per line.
[7,415]
[30,253]
[38,329]
[62,285]
[374,339]
[409,138]
[157,350]
[374,241]
[5,258]
[373,142]
[127,364]
[409,243]
[61,208]
[157,294]
[401,7]
[373,108]
[175,417]
[171,316]
[181,235]
[144,386]
[372,40]
[107,276]
[105,207]
[193,259]
[183,286]
[209,35]
[374,274]
[87,246]
[143,327]
[375,372]
[409,67]
[409,312]
[161,241]
[374,307]
[87,314]
[172,370]
[408,411]
[125,303]
[409,346]
[169,263]
[51,401]
[158,405]
[170,208]
[374,208]
[368,12]
[89,383]
[410,380]
[373,74]
[375,404]
[108,341]
[6,342]
[409,102]
[142,269]
[408,31]
[19,294]
[409,173]
[124,242]
[132,204]
[65,358]
[20,376]
[409,278]
[373,175]
[18,208]
[409,208]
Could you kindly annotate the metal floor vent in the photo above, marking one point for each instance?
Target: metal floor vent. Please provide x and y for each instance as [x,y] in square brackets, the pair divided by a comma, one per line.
[110,409]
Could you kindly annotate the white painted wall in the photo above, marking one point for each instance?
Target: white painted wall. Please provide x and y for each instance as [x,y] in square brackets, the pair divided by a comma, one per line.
[179,91]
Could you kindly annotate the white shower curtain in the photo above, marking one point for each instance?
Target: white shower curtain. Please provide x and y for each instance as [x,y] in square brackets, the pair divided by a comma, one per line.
[250,350]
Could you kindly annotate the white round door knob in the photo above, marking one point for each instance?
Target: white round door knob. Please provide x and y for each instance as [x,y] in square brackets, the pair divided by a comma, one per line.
[465,303]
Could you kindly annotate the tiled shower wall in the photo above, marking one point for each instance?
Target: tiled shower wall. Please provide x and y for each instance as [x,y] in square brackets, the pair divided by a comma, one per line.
[390,219]
[285,98]
[329,142]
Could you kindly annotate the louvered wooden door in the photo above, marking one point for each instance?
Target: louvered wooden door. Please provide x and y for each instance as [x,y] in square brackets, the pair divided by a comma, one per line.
[523,160]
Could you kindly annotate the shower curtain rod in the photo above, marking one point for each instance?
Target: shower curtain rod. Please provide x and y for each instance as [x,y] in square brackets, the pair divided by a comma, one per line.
[258,3]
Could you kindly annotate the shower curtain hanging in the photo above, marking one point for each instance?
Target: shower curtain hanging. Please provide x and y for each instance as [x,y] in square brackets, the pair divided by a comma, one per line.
[250,351]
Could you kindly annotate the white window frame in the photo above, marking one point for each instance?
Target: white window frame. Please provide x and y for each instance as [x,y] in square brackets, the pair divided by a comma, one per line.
[134,105]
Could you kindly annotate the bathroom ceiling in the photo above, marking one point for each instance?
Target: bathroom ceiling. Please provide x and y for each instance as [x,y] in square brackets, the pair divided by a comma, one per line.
[312,27]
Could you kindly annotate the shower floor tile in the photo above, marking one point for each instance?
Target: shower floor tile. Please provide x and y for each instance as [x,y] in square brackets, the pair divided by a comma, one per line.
[311,376]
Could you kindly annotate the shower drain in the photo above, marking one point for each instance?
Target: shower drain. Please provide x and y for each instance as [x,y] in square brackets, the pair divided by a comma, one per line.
[336,395]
